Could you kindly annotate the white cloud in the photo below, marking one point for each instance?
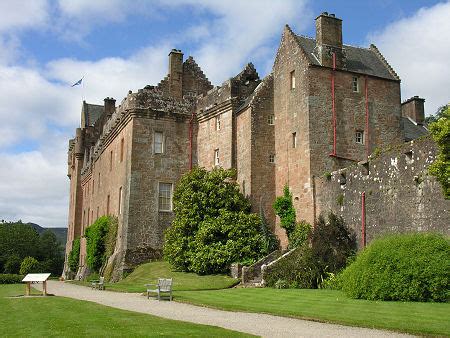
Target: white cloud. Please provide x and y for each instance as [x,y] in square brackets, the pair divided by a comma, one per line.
[21,14]
[418,48]
[39,106]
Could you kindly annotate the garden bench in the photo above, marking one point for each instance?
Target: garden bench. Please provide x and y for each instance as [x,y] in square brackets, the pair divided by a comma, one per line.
[164,285]
[98,284]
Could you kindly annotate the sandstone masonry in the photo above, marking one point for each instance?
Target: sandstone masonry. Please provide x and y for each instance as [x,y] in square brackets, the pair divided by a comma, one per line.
[325,107]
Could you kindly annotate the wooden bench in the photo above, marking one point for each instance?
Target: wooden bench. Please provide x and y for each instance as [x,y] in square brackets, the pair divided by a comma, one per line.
[98,284]
[164,285]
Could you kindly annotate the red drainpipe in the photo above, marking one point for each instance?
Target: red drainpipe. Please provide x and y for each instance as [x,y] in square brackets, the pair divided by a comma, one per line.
[191,127]
[366,85]
[333,106]
[363,219]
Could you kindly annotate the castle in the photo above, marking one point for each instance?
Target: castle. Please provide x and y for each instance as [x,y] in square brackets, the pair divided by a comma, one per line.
[324,107]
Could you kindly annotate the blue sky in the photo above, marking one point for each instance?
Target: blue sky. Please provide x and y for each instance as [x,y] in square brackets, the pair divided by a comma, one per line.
[45,46]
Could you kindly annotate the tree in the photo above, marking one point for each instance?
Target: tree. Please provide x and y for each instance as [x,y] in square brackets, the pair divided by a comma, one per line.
[440,168]
[74,255]
[439,113]
[213,226]
[29,265]
[17,239]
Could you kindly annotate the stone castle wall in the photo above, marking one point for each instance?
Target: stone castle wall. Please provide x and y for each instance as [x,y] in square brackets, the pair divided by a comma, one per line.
[399,194]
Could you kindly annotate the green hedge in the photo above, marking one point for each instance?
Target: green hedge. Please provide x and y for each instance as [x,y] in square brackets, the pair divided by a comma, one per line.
[412,267]
[8,278]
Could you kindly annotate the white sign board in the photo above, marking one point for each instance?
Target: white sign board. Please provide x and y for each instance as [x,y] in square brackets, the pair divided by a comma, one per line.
[36,277]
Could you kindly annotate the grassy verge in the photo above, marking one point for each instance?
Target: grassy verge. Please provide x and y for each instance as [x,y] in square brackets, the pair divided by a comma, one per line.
[150,272]
[329,306]
[64,317]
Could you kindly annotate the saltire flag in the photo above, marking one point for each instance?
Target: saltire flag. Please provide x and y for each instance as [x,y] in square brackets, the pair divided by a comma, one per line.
[77,83]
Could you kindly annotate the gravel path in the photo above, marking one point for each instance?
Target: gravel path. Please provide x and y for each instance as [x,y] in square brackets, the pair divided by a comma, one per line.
[254,323]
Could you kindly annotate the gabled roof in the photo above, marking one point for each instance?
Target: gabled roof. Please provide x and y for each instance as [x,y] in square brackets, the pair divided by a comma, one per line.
[412,130]
[359,60]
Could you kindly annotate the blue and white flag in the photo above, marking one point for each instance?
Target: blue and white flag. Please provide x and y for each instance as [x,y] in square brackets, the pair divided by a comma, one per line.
[77,83]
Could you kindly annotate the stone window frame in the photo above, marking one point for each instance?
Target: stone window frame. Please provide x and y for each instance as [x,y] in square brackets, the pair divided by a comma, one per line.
[218,120]
[119,209]
[271,120]
[292,79]
[110,160]
[163,143]
[359,136]
[294,140]
[165,197]
[122,149]
[216,157]
[271,158]
[355,84]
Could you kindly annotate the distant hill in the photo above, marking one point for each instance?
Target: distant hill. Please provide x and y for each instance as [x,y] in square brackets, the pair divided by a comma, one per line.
[60,233]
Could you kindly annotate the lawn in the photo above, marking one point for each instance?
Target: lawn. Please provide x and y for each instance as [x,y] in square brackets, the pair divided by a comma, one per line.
[182,281]
[329,306]
[64,317]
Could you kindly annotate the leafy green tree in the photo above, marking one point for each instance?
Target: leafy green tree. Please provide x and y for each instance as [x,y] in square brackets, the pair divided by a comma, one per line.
[213,226]
[17,239]
[285,210]
[12,265]
[440,168]
[29,265]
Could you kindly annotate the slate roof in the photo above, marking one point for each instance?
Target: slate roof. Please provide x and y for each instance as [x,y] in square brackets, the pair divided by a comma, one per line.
[92,112]
[360,60]
[411,130]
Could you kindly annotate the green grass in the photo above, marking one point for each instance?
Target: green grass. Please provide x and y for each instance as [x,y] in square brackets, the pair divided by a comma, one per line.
[182,281]
[64,317]
[329,306]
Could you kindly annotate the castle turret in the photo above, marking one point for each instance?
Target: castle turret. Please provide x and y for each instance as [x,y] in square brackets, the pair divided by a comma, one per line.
[329,40]
[110,106]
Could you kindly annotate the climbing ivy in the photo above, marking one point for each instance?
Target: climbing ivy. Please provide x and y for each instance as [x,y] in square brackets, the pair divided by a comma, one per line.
[74,255]
[285,210]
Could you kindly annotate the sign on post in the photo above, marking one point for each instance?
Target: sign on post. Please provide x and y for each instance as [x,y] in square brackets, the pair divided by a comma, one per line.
[34,278]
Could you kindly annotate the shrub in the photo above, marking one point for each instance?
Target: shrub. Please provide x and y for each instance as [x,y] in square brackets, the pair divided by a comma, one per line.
[98,241]
[12,265]
[10,278]
[300,234]
[213,226]
[29,265]
[297,269]
[307,266]
[74,255]
[332,244]
[412,267]
[285,210]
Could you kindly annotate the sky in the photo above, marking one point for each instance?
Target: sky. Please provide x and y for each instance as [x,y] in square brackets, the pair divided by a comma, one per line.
[46,46]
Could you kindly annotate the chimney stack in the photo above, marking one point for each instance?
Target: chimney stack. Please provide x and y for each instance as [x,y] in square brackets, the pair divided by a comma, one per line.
[110,106]
[329,40]
[414,109]
[176,73]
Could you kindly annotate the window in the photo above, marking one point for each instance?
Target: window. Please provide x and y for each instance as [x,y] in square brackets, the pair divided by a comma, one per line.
[294,140]
[271,158]
[293,79]
[218,122]
[359,137]
[108,199]
[110,160]
[98,209]
[216,157]
[271,120]
[120,200]
[93,187]
[159,142]
[122,143]
[165,197]
[98,187]
[355,84]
